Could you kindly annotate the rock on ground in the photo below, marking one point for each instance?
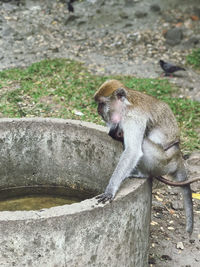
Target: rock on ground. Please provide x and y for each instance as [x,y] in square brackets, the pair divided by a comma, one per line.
[118,37]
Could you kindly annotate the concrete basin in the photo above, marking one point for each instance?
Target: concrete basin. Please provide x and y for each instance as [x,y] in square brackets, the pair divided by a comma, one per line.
[79,157]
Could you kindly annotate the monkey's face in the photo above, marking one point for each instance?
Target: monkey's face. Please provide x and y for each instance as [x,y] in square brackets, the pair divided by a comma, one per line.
[103,108]
[110,109]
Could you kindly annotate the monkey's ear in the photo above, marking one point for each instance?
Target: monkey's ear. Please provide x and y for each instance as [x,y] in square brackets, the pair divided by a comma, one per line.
[120,93]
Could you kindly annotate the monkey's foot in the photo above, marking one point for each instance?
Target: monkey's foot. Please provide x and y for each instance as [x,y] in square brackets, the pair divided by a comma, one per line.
[105,197]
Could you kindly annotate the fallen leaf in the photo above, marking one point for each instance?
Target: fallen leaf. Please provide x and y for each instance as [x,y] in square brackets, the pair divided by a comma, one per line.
[180,245]
[38,82]
[194,17]
[158,198]
[164,32]
[154,223]
[77,112]
[195,195]
[171,211]
[179,24]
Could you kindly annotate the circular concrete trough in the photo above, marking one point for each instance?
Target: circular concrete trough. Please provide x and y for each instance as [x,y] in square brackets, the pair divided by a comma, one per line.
[77,156]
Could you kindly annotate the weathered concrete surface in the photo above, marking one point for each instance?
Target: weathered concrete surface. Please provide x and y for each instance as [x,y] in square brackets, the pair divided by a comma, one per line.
[51,151]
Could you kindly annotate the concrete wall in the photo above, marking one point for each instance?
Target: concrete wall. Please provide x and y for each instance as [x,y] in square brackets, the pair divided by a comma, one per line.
[46,151]
[81,234]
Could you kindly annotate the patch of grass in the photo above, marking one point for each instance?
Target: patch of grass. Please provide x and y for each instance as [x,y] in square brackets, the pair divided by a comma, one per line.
[194,58]
[62,88]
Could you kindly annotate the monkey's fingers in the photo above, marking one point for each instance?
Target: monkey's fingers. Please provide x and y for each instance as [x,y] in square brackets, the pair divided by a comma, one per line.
[104,198]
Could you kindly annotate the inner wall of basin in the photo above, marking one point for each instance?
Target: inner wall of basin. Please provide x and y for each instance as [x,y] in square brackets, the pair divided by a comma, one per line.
[54,157]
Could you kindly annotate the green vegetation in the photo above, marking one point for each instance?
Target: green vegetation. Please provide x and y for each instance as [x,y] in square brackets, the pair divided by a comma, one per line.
[62,88]
[194,58]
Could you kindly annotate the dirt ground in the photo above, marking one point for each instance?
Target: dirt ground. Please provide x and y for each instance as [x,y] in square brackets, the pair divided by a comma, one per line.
[119,37]
[169,243]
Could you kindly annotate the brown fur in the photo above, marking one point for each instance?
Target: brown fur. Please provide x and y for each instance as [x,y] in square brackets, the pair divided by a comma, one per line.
[160,115]
[150,135]
[107,88]
[134,97]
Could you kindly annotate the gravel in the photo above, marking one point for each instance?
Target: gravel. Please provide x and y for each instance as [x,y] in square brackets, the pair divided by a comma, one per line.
[115,37]
[118,37]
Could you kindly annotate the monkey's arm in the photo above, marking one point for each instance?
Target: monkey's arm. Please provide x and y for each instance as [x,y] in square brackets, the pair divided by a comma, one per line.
[133,129]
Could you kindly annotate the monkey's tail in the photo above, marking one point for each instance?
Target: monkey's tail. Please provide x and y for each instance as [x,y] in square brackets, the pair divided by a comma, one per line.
[172,183]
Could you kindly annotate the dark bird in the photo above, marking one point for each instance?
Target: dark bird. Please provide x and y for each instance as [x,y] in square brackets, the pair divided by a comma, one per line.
[69,6]
[169,68]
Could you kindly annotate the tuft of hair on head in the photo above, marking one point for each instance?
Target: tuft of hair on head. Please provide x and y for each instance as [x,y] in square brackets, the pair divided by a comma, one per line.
[107,88]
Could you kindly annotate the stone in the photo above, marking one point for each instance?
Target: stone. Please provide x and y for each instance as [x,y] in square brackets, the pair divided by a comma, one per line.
[9,7]
[78,155]
[196,11]
[191,42]
[194,40]
[71,18]
[174,36]
[129,2]
[166,257]
[155,8]
[128,25]
[177,205]
[123,15]
[7,31]
[140,14]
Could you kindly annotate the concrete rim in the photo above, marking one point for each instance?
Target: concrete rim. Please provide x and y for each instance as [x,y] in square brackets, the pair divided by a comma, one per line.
[80,207]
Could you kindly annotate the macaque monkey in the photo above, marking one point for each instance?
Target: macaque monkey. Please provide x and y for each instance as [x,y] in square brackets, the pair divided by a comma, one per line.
[117,134]
[150,135]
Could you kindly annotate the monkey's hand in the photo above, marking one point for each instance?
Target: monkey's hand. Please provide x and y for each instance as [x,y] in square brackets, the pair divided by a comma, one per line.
[105,197]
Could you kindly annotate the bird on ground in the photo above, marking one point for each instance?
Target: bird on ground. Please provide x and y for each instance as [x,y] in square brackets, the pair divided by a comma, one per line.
[169,68]
[70,6]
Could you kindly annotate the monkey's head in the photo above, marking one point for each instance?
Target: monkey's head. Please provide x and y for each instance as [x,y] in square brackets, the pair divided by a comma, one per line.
[111,98]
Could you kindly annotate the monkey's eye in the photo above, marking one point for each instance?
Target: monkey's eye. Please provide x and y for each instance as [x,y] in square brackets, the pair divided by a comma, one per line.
[102,104]
[100,108]
[120,93]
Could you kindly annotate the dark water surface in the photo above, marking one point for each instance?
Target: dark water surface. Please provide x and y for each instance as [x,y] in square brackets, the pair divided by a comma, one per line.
[35,202]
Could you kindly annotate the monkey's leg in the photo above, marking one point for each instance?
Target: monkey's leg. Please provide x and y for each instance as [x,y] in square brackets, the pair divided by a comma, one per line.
[181,175]
[157,161]
[154,159]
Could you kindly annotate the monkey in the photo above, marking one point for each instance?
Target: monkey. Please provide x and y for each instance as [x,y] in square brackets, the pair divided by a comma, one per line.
[117,134]
[150,134]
